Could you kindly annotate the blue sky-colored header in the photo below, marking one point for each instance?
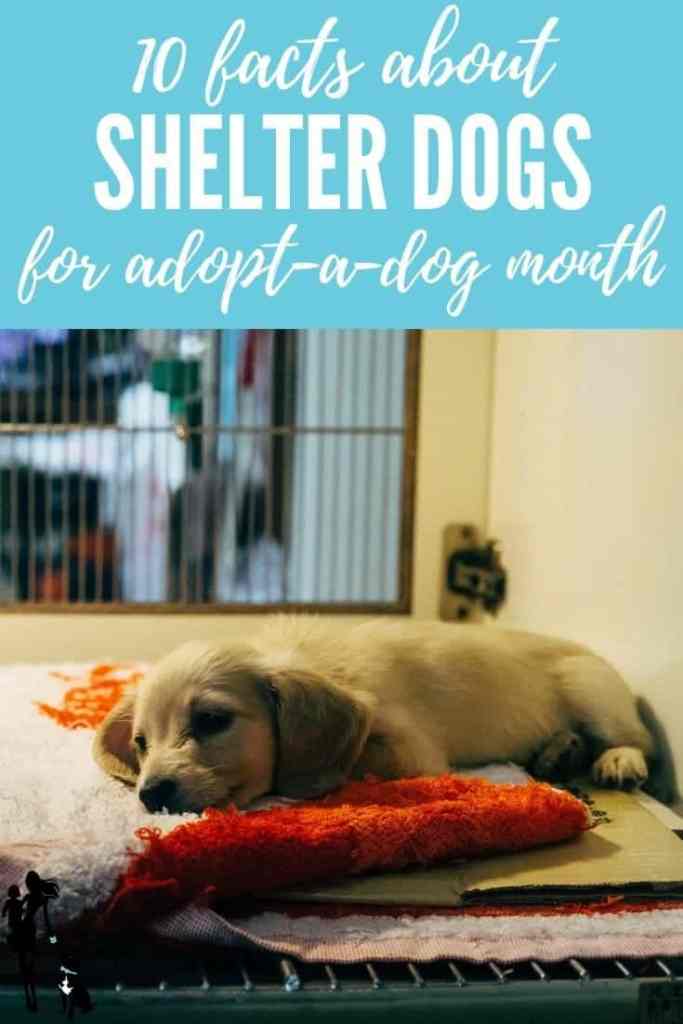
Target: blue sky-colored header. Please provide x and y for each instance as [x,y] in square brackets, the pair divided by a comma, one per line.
[342,164]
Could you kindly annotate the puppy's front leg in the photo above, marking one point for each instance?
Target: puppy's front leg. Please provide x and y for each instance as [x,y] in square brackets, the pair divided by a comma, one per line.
[398,755]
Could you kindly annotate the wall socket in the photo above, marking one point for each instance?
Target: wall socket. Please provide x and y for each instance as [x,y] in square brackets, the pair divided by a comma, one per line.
[457,607]
[473,579]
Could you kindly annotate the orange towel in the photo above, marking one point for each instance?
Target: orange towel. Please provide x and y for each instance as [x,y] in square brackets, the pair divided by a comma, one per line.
[367,826]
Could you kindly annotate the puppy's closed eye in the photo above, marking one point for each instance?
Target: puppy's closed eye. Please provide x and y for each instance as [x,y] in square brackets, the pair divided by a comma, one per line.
[207,723]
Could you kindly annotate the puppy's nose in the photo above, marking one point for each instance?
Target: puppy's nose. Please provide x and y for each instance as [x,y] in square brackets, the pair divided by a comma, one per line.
[159,793]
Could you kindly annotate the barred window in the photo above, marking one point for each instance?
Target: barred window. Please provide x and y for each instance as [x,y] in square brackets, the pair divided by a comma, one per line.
[246,470]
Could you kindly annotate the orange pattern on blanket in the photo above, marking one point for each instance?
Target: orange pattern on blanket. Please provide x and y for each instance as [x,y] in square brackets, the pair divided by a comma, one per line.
[85,705]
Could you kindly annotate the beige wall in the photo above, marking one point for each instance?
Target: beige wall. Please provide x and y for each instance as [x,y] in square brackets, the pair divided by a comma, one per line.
[453,449]
[452,484]
[587,499]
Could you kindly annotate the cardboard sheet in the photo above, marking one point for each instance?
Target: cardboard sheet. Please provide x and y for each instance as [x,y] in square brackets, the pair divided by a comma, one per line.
[630,851]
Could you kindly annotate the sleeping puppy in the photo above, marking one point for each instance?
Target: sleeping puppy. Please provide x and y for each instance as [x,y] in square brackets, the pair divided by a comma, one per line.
[303,706]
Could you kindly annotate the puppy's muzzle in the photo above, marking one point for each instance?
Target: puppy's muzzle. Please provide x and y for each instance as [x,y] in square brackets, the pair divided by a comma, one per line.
[159,794]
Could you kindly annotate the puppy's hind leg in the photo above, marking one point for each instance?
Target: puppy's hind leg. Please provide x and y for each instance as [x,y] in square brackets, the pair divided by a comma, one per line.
[600,702]
[563,758]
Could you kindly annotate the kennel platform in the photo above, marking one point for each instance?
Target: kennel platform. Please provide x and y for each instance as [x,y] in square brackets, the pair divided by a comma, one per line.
[176,986]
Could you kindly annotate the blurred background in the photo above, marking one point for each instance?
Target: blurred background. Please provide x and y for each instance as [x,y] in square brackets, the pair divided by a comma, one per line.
[202,468]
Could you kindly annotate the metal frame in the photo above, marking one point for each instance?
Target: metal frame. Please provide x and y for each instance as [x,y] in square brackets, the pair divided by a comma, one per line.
[403,606]
[262,986]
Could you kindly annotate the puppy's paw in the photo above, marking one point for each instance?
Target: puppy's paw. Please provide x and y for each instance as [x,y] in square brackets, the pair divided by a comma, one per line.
[563,758]
[623,767]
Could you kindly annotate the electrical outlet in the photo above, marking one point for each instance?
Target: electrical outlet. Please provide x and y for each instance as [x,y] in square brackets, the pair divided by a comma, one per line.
[473,579]
[456,607]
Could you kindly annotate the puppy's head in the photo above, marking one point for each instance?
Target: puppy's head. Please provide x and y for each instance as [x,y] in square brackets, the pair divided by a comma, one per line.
[209,727]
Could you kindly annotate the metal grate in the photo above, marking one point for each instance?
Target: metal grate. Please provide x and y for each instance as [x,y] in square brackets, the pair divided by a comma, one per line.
[176,469]
[271,972]
[622,990]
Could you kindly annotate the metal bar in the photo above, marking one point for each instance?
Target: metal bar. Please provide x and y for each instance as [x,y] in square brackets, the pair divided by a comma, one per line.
[172,580]
[369,478]
[623,969]
[227,564]
[99,530]
[319,468]
[132,493]
[665,969]
[183,434]
[254,460]
[538,970]
[66,478]
[241,607]
[290,410]
[321,547]
[184,521]
[32,478]
[217,516]
[580,969]
[387,587]
[415,975]
[269,527]
[332,978]
[214,360]
[353,482]
[199,526]
[83,414]
[49,476]
[340,372]
[375,979]
[117,592]
[14,502]
[218,495]
[460,979]
[150,515]
[500,975]
[21,428]
[231,520]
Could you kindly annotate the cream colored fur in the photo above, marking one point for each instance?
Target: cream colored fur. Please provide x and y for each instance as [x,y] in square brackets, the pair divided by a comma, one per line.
[388,698]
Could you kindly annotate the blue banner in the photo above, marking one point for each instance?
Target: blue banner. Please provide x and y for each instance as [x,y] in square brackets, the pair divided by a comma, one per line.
[342,163]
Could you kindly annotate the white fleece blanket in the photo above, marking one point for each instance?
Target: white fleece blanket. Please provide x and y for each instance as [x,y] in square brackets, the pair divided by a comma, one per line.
[59,813]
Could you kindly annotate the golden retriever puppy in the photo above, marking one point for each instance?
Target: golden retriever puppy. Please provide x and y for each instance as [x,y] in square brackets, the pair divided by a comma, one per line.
[303,706]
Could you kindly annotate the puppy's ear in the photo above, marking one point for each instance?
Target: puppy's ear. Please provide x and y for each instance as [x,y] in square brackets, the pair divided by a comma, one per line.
[112,747]
[322,731]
